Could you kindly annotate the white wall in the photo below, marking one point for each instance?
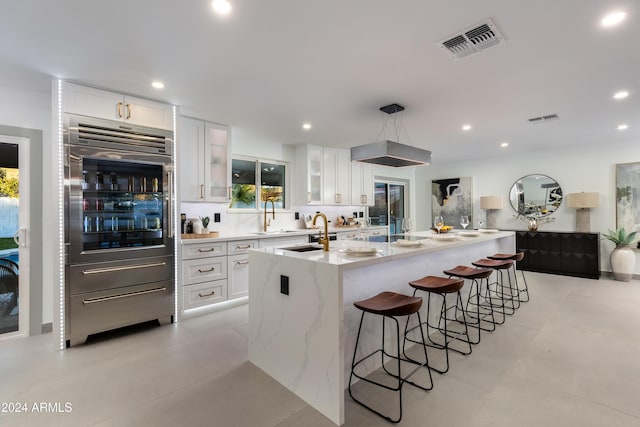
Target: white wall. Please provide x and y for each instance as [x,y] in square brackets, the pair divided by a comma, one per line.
[25,101]
[589,170]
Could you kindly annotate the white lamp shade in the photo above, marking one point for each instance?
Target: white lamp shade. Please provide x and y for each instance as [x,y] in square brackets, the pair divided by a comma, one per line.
[491,202]
[583,200]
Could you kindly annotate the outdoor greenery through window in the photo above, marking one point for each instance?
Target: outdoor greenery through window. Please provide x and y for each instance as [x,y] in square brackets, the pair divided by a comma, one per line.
[247,194]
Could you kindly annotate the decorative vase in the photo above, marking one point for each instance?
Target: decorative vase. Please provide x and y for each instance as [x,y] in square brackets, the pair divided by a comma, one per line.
[623,263]
[533,224]
[205,230]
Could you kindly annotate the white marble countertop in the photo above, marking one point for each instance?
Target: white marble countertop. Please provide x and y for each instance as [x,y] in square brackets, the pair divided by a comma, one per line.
[339,250]
[223,237]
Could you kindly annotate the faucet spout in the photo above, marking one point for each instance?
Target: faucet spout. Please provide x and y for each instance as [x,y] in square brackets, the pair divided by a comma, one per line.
[324,241]
[273,214]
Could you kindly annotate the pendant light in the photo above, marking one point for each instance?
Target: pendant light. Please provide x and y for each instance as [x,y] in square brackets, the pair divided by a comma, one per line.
[391,153]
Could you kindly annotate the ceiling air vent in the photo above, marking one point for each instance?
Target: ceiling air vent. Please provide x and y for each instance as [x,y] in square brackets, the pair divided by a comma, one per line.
[543,119]
[472,40]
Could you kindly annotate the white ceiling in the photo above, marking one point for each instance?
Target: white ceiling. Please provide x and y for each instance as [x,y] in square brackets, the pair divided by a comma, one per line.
[271,65]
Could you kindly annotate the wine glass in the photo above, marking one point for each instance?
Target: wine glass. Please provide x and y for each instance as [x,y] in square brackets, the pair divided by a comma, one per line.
[481,220]
[464,221]
[406,225]
[438,222]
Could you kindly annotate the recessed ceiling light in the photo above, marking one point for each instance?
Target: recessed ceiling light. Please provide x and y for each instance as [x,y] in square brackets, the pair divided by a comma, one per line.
[621,95]
[306,126]
[222,7]
[466,127]
[613,19]
[157,85]
[504,144]
[623,127]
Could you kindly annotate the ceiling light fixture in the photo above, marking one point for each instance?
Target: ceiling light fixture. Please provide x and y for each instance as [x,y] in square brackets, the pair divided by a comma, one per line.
[623,127]
[222,7]
[621,95]
[306,126]
[466,127]
[157,85]
[613,19]
[504,144]
[391,153]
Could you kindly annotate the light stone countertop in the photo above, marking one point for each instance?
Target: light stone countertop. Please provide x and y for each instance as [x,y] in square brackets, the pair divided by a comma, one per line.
[338,252]
[224,237]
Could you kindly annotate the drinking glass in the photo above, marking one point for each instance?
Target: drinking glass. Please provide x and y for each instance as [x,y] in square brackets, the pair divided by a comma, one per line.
[406,225]
[481,220]
[464,221]
[438,222]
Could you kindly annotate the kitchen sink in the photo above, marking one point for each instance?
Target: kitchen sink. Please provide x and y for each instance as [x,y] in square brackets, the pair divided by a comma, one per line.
[306,248]
[262,233]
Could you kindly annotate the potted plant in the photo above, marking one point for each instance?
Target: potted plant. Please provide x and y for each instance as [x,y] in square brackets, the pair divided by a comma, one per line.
[622,258]
[205,224]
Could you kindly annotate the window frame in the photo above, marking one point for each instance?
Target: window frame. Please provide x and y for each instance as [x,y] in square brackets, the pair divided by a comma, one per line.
[258,162]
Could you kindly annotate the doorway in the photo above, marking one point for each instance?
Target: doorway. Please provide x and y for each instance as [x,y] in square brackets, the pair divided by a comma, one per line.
[390,205]
[14,247]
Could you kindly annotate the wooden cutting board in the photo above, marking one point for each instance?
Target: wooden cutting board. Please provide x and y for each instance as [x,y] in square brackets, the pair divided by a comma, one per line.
[200,236]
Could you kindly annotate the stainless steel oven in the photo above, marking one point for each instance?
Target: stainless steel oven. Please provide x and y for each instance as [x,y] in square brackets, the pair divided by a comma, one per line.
[118,225]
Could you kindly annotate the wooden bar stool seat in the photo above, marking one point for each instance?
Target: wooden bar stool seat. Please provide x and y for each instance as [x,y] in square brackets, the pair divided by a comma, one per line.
[504,292]
[521,288]
[442,286]
[391,305]
[479,313]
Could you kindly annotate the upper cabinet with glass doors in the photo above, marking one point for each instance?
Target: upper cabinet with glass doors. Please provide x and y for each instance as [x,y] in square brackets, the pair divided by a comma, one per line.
[204,159]
[322,175]
[103,104]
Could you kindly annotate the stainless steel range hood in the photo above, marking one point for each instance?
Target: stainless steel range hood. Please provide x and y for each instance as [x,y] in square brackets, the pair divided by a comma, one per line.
[390,153]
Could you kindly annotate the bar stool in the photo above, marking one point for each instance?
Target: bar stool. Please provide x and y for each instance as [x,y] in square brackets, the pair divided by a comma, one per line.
[498,267]
[442,286]
[482,310]
[390,305]
[519,256]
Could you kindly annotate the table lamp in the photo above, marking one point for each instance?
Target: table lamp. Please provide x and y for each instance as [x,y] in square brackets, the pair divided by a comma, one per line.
[583,202]
[491,204]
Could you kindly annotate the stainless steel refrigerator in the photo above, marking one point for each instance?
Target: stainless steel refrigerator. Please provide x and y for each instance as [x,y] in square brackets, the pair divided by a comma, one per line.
[119,228]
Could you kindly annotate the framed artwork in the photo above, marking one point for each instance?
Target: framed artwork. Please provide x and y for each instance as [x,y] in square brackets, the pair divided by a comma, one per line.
[451,198]
[628,196]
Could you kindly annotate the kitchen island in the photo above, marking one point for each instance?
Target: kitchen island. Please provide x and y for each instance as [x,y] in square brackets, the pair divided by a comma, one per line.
[302,322]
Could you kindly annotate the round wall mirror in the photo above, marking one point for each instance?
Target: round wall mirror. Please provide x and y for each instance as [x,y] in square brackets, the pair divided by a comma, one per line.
[535,195]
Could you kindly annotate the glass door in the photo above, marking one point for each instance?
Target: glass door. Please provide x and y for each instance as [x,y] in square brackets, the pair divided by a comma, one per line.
[13,244]
[390,205]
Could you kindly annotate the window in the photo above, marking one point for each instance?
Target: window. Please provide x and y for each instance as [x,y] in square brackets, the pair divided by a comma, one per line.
[390,205]
[247,194]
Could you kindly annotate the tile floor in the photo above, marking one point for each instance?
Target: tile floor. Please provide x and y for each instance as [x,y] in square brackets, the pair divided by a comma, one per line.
[569,357]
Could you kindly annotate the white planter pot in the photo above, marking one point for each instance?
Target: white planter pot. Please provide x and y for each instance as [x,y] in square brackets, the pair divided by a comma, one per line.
[623,263]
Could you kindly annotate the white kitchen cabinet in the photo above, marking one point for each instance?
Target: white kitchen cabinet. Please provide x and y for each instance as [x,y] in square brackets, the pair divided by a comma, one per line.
[335,176]
[238,267]
[203,273]
[362,184]
[322,175]
[88,101]
[203,294]
[204,161]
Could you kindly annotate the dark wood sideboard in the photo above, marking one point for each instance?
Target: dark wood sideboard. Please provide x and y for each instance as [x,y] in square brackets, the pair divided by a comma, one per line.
[568,254]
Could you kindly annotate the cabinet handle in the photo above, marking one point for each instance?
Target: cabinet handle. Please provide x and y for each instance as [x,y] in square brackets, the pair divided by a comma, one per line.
[364,197]
[243,247]
[128,111]
[242,262]
[309,197]
[207,250]
[206,271]
[120,109]
[338,198]
[202,191]
[229,192]
[207,295]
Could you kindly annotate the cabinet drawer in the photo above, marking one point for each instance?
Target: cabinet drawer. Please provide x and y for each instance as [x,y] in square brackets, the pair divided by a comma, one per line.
[203,294]
[241,246]
[201,270]
[238,269]
[203,250]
